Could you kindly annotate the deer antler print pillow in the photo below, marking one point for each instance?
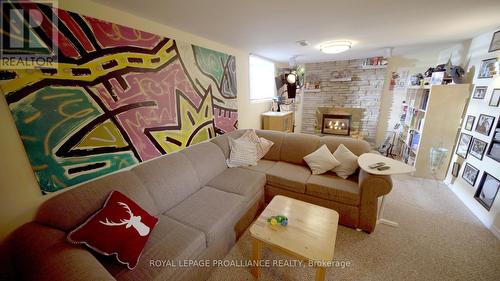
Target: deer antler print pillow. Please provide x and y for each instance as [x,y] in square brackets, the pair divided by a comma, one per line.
[120,228]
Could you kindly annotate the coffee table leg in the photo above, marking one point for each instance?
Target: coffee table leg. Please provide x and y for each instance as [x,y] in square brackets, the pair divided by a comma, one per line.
[320,273]
[256,245]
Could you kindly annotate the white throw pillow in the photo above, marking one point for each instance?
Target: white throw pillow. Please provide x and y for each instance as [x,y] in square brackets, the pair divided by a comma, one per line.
[243,153]
[321,160]
[348,162]
[263,145]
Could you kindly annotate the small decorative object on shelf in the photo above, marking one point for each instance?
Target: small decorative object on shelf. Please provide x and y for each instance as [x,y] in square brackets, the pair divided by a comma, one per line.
[340,76]
[375,62]
[278,220]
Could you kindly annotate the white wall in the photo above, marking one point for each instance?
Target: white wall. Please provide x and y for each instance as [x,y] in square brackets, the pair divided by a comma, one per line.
[478,51]
[21,194]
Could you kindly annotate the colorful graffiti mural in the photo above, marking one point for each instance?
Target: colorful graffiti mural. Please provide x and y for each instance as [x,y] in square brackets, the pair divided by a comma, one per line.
[119,96]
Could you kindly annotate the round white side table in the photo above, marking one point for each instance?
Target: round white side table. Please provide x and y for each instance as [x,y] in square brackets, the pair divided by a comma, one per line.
[396,167]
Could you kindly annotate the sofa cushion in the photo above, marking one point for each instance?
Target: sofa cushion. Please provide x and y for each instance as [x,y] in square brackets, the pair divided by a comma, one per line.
[207,159]
[170,241]
[243,153]
[296,146]
[348,162]
[289,176]
[263,144]
[321,160]
[330,186]
[120,228]
[69,209]
[241,181]
[262,166]
[357,147]
[210,210]
[277,138]
[169,179]
[222,141]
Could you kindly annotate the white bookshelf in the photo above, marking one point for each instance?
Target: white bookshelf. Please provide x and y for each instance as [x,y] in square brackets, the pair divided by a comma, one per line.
[431,117]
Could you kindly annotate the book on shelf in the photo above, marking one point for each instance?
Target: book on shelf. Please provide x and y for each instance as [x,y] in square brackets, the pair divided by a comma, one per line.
[415,140]
[423,102]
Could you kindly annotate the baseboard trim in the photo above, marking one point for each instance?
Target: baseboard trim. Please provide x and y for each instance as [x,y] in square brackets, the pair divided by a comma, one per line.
[495,231]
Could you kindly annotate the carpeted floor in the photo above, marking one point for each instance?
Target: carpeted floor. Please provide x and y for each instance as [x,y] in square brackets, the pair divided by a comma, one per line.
[438,238]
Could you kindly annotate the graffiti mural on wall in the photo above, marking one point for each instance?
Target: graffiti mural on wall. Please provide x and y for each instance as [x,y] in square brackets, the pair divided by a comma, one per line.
[119,96]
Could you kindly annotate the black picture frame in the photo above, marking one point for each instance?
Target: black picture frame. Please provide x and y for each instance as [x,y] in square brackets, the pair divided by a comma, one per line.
[479,92]
[495,42]
[495,98]
[470,173]
[463,145]
[485,70]
[484,124]
[455,169]
[487,190]
[469,122]
[477,148]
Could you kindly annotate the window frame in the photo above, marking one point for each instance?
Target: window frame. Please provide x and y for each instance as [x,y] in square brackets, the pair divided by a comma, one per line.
[274,91]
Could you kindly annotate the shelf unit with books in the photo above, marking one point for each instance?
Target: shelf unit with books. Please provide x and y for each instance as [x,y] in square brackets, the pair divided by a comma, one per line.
[430,117]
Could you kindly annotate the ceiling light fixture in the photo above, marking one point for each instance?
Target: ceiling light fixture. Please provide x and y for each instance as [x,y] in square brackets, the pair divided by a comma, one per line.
[335,47]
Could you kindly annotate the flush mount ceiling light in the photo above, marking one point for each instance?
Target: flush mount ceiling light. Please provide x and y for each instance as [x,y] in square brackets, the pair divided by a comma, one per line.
[335,47]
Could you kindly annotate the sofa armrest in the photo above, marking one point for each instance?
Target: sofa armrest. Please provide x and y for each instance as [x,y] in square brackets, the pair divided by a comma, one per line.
[42,253]
[371,188]
[373,185]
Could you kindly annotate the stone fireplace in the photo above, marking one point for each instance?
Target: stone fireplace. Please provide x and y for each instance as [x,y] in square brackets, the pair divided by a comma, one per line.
[359,97]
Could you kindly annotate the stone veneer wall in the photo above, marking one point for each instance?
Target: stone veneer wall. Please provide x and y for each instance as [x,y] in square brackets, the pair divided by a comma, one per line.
[364,91]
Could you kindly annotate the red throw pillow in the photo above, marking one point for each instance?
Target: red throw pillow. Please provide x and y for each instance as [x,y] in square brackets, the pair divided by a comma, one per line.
[120,228]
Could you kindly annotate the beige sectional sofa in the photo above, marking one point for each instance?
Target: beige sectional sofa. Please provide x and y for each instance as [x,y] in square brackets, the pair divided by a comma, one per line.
[203,207]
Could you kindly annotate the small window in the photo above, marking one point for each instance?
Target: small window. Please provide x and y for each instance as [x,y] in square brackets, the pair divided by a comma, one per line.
[262,84]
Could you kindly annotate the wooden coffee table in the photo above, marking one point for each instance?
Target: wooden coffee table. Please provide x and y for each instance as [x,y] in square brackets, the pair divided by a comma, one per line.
[310,234]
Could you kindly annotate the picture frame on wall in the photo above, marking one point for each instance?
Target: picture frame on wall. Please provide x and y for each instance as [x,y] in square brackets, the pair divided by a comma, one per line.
[495,98]
[487,190]
[479,92]
[469,123]
[455,169]
[487,69]
[495,42]
[463,145]
[484,124]
[477,148]
[470,174]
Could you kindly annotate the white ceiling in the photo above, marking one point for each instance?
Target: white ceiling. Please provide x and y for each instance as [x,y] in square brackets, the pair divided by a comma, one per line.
[270,28]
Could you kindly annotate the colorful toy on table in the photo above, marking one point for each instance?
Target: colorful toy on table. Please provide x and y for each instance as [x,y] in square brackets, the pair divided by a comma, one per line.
[278,220]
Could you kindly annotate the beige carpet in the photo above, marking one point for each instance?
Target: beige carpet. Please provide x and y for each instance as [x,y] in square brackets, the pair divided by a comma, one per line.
[438,239]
